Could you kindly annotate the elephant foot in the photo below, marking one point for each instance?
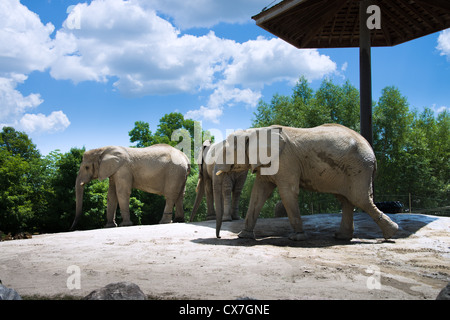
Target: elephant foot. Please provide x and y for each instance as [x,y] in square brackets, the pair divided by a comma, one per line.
[346,236]
[211,217]
[111,225]
[166,218]
[298,236]
[244,234]
[126,223]
[179,219]
[388,227]
[236,218]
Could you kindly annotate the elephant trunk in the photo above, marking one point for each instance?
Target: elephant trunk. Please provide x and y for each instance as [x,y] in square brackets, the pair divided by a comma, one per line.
[198,198]
[79,192]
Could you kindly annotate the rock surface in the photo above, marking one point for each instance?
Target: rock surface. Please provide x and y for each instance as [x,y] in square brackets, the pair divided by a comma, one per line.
[8,293]
[117,291]
[186,261]
[444,294]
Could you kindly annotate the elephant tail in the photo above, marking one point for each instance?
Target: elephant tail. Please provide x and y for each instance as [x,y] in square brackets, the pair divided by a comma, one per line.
[198,198]
[373,179]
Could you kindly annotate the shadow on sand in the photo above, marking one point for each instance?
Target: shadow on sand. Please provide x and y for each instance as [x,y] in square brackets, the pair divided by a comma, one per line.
[320,229]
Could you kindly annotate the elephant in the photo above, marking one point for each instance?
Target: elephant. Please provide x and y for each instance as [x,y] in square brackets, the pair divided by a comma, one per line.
[224,190]
[330,158]
[159,169]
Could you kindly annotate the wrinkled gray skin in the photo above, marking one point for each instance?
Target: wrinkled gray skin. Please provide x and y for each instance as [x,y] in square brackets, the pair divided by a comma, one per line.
[223,191]
[159,169]
[329,158]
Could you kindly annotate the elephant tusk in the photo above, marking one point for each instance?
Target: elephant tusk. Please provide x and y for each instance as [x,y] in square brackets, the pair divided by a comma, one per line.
[82,184]
[219,173]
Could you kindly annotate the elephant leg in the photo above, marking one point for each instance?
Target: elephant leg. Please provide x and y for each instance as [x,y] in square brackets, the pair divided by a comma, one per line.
[218,196]
[112,205]
[123,195]
[227,207]
[346,229]
[289,197]
[226,189]
[211,213]
[260,192]
[168,211]
[237,190]
[179,212]
[235,205]
[387,226]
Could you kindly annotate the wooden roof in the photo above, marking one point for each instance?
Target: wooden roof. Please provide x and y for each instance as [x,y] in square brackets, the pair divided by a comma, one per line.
[335,23]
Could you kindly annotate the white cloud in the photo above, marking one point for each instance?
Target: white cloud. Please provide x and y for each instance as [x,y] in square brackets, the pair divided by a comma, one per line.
[265,61]
[145,52]
[147,55]
[37,123]
[221,97]
[25,42]
[444,43]
[206,13]
[229,95]
[442,109]
[206,113]
[25,47]
[13,103]
[255,64]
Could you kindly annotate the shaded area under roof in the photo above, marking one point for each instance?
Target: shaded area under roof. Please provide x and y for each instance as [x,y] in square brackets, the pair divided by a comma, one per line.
[335,23]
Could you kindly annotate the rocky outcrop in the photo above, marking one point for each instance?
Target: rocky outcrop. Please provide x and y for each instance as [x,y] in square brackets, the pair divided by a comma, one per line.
[444,294]
[8,294]
[117,291]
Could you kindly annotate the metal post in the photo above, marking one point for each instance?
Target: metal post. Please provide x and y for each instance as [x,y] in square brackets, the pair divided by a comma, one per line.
[365,74]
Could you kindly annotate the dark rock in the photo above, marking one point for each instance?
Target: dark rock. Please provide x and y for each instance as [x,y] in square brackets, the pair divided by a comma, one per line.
[444,294]
[8,294]
[117,291]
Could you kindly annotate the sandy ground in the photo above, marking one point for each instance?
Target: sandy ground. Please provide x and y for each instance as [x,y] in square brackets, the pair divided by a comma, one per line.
[186,261]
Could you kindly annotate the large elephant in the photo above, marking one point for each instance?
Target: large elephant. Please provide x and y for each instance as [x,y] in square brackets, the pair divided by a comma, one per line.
[222,190]
[330,158]
[159,169]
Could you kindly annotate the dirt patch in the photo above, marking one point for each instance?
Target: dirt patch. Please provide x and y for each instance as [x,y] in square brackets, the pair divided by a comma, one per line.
[186,261]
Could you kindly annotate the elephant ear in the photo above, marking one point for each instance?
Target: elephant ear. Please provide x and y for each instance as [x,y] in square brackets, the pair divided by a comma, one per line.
[111,160]
[270,143]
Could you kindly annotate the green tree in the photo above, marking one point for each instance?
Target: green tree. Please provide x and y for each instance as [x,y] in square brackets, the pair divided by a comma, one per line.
[22,181]
[141,134]
[331,103]
[425,160]
[18,144]
[64,170]
[391,129]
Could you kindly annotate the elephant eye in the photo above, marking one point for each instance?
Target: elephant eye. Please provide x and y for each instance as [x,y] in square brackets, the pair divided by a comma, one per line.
[87,167]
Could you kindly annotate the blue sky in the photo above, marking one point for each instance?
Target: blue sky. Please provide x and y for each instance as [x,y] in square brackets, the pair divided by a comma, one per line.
[76,74]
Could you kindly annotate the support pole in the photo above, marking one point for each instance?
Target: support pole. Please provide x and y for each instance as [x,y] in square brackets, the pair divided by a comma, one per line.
[365,74]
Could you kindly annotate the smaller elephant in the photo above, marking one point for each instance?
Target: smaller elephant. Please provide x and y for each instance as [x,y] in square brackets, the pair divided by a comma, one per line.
[159,169]
[224,191]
